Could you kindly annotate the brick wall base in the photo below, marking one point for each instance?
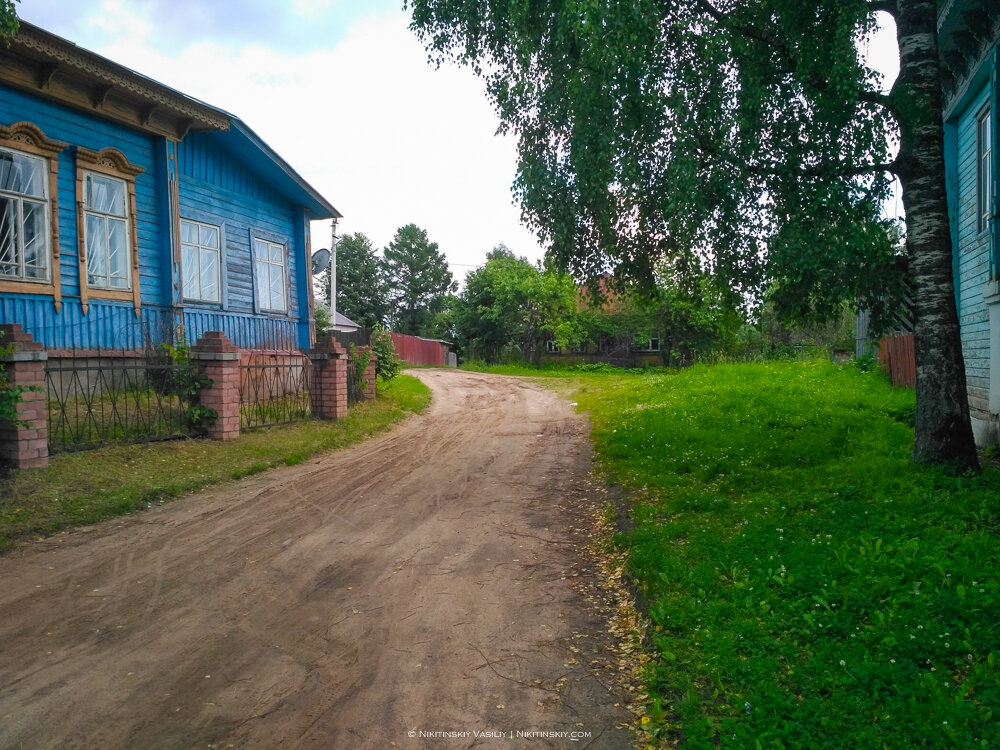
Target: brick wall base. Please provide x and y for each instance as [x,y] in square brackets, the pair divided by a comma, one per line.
[25,443]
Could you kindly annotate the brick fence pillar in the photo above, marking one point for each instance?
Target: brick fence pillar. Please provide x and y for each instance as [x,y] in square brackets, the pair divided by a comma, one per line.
[25,445]
[369,375]
[328,393]
[219,359]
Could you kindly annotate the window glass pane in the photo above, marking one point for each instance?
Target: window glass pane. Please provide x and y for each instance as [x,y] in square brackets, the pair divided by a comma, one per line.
[263,291]
[210,275]
[8,238]
[105,195]
[8,175]
[189,269]
[276,253]
[117,251]
[33,234]
[277,288]
[985,169]
[22,174]
[260,248]
[189,232]
[96,262]
[32,176]
[209,236]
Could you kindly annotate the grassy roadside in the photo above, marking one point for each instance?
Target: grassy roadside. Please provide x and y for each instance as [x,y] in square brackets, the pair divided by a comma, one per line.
[807,586]
[558,370]
[85,487]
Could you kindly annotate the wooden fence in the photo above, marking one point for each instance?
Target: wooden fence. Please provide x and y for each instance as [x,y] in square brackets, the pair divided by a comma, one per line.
[896,355]
[360,337]
[417,351]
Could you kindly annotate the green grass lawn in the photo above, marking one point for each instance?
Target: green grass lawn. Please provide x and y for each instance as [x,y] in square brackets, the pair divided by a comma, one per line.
[85,487]
[806,585]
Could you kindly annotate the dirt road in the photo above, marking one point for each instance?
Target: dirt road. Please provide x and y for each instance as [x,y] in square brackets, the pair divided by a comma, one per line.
[418,584]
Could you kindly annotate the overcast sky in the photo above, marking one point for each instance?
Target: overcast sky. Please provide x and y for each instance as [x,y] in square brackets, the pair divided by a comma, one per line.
[343,91]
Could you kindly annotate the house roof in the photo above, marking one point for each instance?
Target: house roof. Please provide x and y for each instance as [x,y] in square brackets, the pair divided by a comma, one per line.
[967,29]
[343,320]
[265,161]
[54,68]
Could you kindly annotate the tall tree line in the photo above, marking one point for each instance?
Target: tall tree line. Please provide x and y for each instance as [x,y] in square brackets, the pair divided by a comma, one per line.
[404,288]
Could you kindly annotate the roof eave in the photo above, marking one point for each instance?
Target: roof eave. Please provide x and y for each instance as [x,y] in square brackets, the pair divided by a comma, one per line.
[306,195]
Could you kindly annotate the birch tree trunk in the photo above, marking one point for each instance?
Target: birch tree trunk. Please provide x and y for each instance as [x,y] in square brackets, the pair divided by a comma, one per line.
[943,430]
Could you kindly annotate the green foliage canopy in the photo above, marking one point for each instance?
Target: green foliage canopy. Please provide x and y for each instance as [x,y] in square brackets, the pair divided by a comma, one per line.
[387,363]
[747,138]
[417,276]
[511,303]
[8,19]
[361,289]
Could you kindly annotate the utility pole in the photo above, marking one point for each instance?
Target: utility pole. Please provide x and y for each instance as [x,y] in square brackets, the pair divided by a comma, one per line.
[333,273]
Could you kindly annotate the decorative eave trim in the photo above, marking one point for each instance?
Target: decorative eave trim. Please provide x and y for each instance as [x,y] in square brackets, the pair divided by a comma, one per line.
[109,158]
[26,132]
[76,58]
[947,6]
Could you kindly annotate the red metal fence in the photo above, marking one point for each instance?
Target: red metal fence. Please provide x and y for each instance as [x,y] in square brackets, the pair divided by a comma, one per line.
[417,351]
[896,355]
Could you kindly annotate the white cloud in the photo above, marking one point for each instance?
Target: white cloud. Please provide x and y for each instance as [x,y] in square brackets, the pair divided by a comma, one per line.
[385,137]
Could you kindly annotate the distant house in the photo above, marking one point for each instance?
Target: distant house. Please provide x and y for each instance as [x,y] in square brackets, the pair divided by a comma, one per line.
[344,324]
[968,39]
[130,211]
[624,340]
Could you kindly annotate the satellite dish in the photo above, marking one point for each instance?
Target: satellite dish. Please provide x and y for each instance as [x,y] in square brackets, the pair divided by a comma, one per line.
[320,260]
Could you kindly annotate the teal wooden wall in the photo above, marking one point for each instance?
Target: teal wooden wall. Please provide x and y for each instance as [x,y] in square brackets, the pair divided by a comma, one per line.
[972,259]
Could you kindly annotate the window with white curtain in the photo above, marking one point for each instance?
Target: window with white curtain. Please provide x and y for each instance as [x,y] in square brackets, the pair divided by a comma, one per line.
[105,212]
[24,207]
[269,272]
[201,259]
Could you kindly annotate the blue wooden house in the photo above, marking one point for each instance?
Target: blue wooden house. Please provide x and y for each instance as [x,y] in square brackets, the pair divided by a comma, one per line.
[130,212]
[969,32]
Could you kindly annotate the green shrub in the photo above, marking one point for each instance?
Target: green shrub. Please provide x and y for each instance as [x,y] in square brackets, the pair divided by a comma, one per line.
[387,364]
[593,367]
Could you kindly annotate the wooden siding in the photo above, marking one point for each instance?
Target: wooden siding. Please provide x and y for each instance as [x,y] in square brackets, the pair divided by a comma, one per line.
[216,188]
[213,186]
[201,158]
[246,331]
[80,129]
[972,263]
[107,325]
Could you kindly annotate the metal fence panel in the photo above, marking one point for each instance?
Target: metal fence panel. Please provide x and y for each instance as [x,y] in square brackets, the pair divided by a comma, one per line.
[897,357]
[99,399]
[275,390]
[418,351]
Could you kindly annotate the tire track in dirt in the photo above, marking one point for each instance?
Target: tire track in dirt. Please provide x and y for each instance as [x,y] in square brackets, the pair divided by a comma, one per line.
[418,582]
